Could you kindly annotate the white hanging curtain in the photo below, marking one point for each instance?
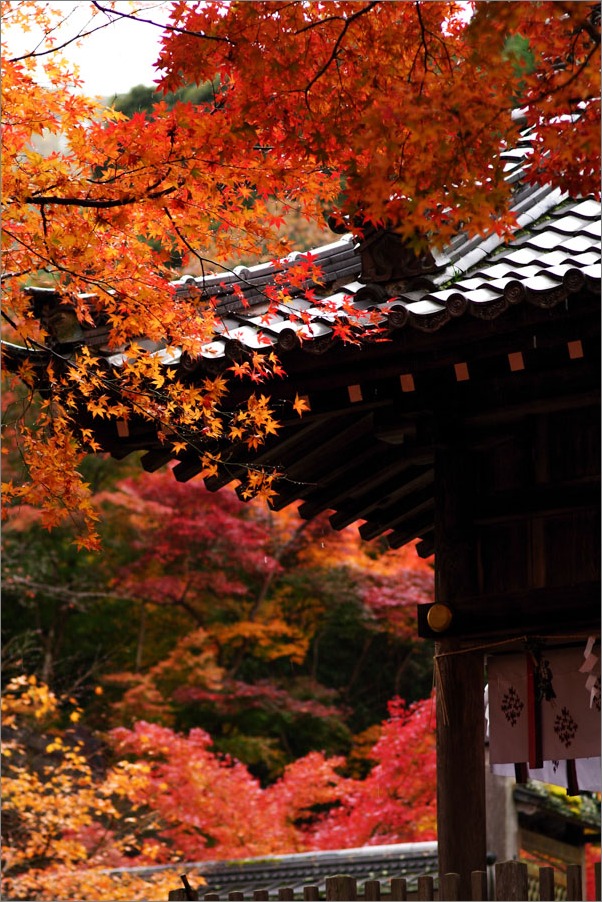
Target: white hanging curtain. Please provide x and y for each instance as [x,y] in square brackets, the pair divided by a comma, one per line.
[544,713]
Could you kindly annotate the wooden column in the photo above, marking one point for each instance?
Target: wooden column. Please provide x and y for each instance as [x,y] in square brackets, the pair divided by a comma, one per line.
[461,809]
[461,819]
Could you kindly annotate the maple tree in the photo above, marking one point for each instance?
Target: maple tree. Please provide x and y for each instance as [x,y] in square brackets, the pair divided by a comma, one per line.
[373,112]
[58,606]
[313,805]
[277,636]
[199,795]
[274,624]
[67,822]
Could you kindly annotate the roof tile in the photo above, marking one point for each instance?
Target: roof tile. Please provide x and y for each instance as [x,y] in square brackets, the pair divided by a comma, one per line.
[587,208]
[567,225]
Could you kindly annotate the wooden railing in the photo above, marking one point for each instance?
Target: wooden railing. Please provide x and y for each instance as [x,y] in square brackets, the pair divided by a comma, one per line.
[511,882]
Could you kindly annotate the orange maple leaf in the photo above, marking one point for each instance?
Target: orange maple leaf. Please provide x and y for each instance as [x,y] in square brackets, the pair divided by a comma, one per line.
[301,405]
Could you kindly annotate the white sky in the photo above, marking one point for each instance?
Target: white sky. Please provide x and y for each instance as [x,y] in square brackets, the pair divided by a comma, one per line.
[113,59]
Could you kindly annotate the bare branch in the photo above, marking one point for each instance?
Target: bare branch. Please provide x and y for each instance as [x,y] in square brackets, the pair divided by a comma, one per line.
[57,47]
[169,28]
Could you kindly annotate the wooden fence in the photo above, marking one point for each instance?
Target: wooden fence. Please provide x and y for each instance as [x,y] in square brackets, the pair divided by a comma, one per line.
[511,883]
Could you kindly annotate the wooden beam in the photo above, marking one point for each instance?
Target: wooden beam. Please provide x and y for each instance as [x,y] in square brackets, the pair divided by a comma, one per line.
[411,508]
[540,500]
[418,527]
[300,437]
[154,460]
[550,401]
[386,501]
[323,457]
[527,612]
[426,547]
[354,476]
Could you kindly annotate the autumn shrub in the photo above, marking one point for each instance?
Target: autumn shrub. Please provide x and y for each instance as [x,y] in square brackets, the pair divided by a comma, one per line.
[71,823]
[396,802]
[209,804]
[212,808]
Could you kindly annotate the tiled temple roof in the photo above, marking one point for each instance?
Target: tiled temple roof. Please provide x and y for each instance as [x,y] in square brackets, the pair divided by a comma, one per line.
[543,266]
[555,254]
[556,251]
[549,260]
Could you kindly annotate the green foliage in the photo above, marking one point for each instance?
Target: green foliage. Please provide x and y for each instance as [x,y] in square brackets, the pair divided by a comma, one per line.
[518,50]
[143,99]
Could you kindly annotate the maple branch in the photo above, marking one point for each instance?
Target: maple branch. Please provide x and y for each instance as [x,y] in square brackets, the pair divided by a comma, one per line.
[51,492]
[57,47]
[69,594]
[10,322]
[186,605]
[320,22]
[152,416]
[167,602]
[359,663]
[128,173]
[335,49]
[171,28]
[14,275]
[49,260]
[202,260]
[101,285]
[573,77]
[425,33]
[588,24]
[44,225]
[425,50]
[263,592]
[402,667]
[99,204]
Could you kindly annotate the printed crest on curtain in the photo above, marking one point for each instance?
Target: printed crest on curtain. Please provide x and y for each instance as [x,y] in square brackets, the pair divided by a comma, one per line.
[555,694]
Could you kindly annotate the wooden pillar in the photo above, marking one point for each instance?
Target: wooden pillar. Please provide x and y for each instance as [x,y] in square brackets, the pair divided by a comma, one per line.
[461,821]
[461,807]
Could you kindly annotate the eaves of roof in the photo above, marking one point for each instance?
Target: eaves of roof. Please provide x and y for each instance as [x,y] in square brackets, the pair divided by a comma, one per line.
[556,253]
[549,813]
[481,276]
